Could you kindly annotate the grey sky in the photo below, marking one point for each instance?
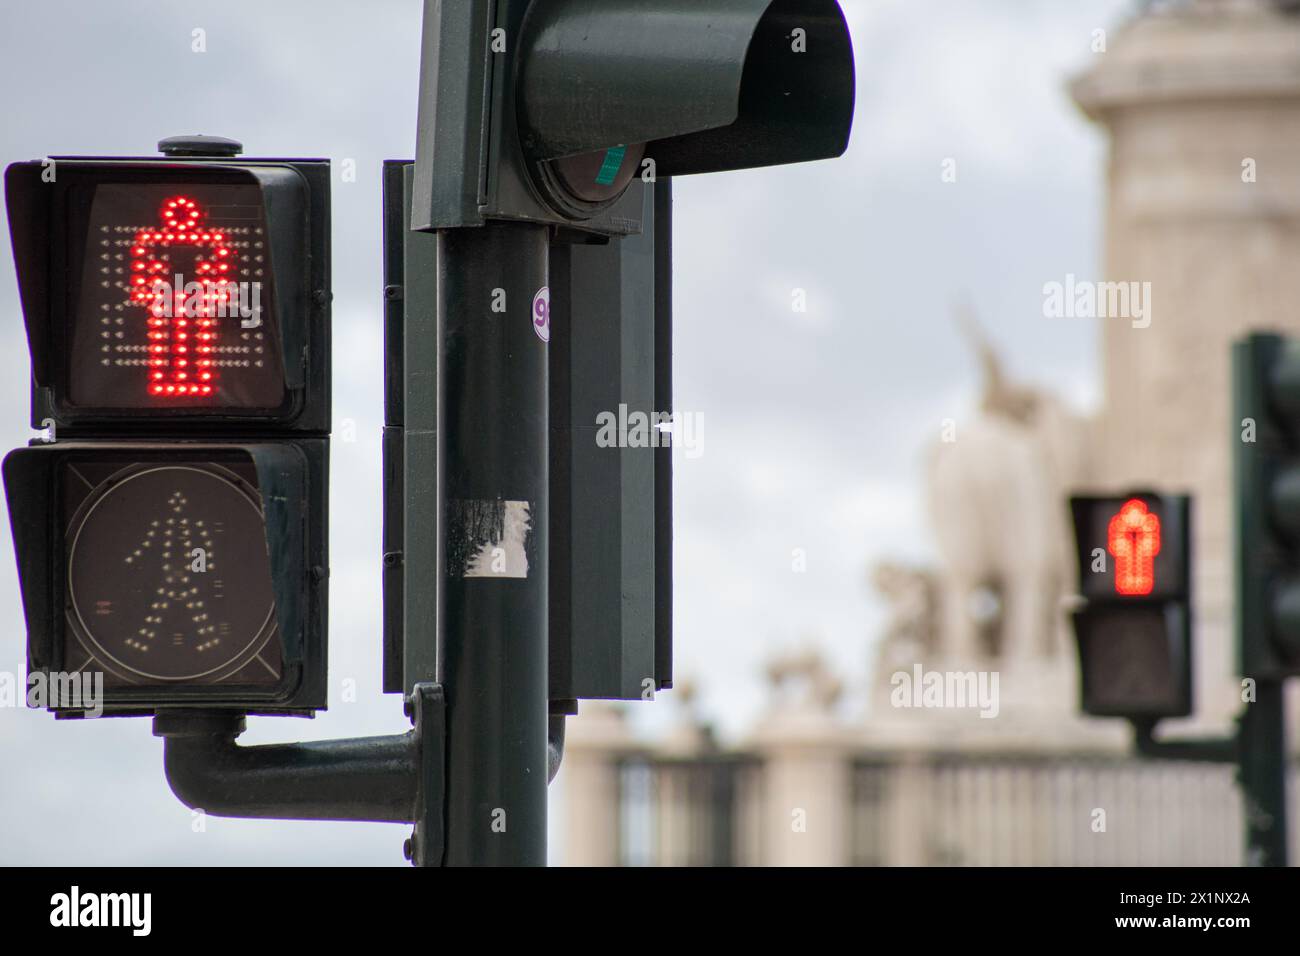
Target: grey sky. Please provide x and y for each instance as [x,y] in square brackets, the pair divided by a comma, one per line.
[815,423]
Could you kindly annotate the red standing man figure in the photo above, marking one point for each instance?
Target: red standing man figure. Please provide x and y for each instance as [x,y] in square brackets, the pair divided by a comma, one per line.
[1133,538]
[183,308]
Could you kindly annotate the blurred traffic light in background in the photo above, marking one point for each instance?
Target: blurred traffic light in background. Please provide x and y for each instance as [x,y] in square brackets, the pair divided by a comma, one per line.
[1134,626]
[1134,629]
[1266,456]
[171,528]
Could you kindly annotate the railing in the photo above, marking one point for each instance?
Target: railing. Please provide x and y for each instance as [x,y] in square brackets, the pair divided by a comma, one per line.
[1037,811]
[696,812]
[949,810]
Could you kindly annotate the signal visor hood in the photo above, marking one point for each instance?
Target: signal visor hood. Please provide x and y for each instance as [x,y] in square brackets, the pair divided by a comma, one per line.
[706,87]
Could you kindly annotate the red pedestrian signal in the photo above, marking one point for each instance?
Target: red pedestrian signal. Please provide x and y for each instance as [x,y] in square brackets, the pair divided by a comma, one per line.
[174,303]
[1130,547]
[1133,626]
[1134,541]
[183,327]
[193,296]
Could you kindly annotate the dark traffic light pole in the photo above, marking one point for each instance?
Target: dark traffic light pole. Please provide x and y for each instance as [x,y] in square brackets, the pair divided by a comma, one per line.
[1262,766]
[493,323]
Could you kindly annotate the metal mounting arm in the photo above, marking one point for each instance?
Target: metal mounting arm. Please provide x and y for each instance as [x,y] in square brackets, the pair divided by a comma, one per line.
[1208,750]
[369,778]
[393,779]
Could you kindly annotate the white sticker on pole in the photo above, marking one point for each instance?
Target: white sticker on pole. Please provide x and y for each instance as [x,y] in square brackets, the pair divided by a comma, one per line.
[542,313]
[489,539]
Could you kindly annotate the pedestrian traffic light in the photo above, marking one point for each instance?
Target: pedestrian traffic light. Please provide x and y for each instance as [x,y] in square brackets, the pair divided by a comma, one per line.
[1134,628]
[1266,493]
[547,110]
[160,293]
[171,528]
[184,572]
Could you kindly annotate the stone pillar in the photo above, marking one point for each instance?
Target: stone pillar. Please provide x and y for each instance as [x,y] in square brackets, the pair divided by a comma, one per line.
[806,790]
[909,814]
[681,810]
[1202,105]
[596,740]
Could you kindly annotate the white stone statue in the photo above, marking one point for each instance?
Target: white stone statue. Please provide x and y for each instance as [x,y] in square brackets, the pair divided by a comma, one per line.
[998,487]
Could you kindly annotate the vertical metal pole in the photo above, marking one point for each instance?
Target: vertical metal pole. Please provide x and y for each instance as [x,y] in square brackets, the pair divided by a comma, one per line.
[493,662]
[1262,739]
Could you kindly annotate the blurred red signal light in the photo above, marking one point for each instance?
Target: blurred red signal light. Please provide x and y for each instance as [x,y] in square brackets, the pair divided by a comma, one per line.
[1133,539]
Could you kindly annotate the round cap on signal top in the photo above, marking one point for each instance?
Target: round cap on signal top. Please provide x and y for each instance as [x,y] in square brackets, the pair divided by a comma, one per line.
[199,146]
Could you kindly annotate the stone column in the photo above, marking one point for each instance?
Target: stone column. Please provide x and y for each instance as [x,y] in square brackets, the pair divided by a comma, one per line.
[595,742]
[806,790]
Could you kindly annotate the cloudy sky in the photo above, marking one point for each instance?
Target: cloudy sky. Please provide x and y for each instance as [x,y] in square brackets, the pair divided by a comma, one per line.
[815,422]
